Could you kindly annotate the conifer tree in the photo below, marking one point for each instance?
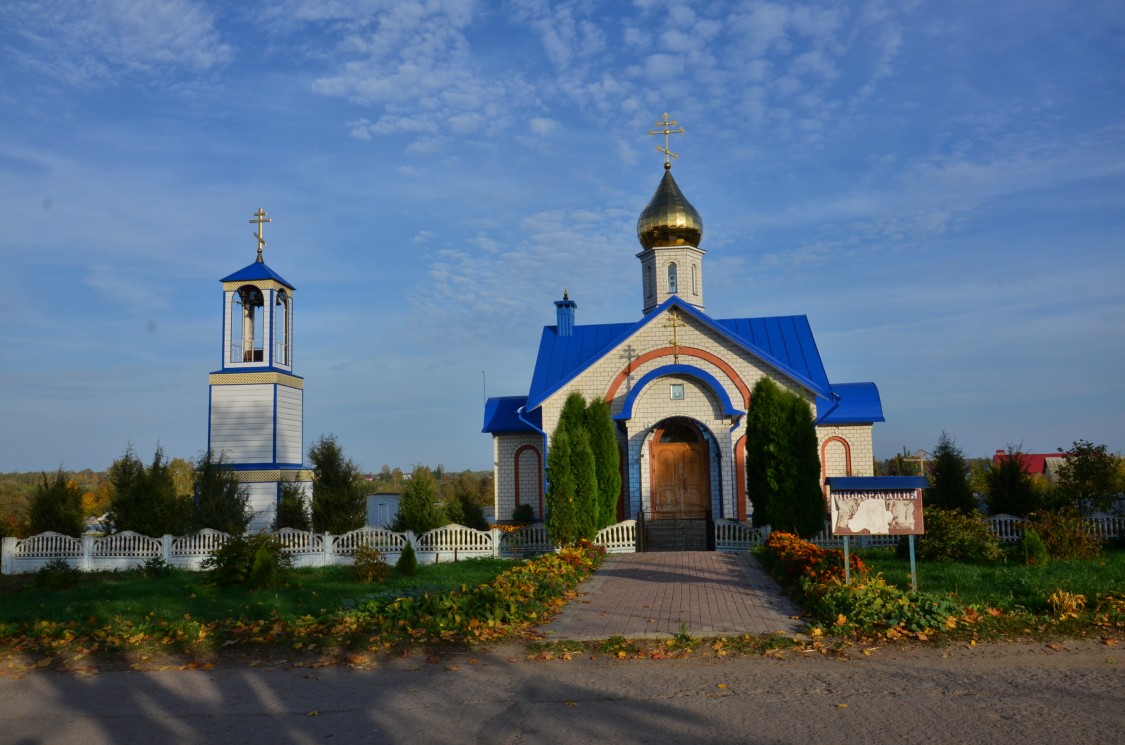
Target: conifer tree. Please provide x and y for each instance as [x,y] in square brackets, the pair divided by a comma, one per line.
[804,510]
[292,509]
[221,500]
[561,490]
[143,499]
[763,450]
[607,460]
[949,479]
[56,505]
[587,510]
[338,503]
[1010,489]
[782,463]
[418,509]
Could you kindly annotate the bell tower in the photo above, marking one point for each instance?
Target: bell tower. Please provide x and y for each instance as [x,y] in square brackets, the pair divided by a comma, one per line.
[670,230]
[256,413]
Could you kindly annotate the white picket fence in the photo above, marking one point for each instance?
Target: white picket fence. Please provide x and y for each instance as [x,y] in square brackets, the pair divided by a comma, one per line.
[128,550]
[735,536]
[1103,527]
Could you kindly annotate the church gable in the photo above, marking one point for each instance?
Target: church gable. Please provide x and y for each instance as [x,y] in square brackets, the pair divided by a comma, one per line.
[606,360]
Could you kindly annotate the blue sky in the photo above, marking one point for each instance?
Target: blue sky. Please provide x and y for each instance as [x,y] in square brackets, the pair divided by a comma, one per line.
[939,186]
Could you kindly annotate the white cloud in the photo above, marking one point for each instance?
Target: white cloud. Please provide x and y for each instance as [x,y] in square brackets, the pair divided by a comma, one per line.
[95,41]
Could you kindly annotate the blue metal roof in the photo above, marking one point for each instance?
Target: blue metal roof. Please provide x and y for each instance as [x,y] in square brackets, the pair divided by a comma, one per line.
[562,357]
[501,414]
[856,403]
[785,342]
[256,272]
[876,483]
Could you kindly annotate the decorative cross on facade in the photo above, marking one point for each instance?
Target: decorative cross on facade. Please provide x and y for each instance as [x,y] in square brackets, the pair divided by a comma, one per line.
[666,129]
[675,323]
[261,219]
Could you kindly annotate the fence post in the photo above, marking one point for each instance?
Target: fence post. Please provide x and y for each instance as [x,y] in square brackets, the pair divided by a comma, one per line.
[166,548]
[87,553]
[7,547]
[328,553]
[411,539]
[495,532]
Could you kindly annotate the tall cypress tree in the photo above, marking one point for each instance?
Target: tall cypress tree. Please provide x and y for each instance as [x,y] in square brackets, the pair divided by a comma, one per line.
[803,510]
[607,459]
[782,463]
[561,490]
[587,510]
[763,451]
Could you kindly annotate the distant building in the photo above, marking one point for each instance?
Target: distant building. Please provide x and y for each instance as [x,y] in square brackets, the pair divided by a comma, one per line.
[1036,464]
[382,509]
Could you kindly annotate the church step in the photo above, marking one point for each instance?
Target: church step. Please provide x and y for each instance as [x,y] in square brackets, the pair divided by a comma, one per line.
[676,535]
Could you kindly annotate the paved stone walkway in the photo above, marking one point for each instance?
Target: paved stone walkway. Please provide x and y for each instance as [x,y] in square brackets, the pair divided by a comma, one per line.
[650,595]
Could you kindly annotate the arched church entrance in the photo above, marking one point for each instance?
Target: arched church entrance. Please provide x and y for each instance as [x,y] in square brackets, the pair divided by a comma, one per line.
[681,473]
[679,515]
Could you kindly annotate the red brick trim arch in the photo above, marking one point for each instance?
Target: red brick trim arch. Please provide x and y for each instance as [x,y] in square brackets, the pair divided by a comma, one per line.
[538,475]
[824,459]
[683,352]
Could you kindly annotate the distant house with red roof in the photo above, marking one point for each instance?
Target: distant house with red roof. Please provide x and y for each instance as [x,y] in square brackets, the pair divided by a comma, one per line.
[1036,464]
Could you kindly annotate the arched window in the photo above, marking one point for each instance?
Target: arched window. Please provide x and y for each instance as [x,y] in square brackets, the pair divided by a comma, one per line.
[247,320]
[695,279]
[282,320]
[672,278]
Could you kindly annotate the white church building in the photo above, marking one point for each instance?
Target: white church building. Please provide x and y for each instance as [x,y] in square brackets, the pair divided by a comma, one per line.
[678,382]
[256,403]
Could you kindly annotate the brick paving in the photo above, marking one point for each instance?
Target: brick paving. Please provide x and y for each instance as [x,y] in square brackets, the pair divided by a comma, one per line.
[650,595]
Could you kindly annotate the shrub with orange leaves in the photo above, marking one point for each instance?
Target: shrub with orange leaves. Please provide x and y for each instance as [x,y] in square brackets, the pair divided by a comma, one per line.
[796,559]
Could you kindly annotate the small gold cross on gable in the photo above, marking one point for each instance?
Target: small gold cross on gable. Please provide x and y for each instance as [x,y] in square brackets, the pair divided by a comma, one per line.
[675,323]
[261,220]
[666,129]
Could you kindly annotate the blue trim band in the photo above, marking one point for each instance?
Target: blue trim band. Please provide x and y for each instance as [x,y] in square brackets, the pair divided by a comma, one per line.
[667,370]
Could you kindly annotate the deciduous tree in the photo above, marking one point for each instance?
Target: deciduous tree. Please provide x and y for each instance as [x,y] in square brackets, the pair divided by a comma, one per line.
[1090,477]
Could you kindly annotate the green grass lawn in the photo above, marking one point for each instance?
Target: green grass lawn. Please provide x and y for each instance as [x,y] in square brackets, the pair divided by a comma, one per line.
[129,596]
[1009,585]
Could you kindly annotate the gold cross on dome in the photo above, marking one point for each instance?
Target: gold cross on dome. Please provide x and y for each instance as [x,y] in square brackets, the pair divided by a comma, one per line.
[675,323]
[262,219]
[666,129]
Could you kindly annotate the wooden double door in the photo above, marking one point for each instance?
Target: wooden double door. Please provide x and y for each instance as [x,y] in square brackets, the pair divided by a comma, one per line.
[681,473]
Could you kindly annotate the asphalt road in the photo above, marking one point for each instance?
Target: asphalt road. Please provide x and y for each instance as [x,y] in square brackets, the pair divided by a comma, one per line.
[1025,693]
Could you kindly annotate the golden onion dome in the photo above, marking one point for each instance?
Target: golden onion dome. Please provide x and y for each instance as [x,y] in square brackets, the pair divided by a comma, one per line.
[669,219]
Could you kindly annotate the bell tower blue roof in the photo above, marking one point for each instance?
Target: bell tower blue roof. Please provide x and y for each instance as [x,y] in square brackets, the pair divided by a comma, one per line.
[256,272]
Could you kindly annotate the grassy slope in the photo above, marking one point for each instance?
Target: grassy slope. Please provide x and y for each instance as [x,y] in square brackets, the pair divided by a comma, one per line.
[131,597]
[1006,585]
